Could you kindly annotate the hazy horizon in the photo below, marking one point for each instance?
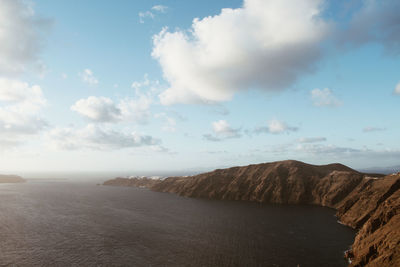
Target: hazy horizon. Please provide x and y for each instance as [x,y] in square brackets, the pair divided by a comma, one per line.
[105,175]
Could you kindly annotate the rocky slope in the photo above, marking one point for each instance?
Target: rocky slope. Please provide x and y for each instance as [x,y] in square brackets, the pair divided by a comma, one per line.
[369,203]
[11,179]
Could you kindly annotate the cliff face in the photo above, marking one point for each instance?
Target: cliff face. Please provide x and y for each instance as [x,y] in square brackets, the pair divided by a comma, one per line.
[286,182]
[373,207]
[368,203]
[11,179]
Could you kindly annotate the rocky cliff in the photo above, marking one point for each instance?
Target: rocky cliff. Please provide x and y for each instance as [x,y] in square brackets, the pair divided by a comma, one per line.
[11,179]
[368,203]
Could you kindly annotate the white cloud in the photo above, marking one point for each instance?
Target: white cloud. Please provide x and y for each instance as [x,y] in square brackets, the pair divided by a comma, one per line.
[324,98]
[103,109]
[146,14]
[150,14]
[97,138]
[88,77]
[20,106]
[311,139]
[16,92]
[160,8]
[20,36]
[210,137]
[347,152]
[331,153]
[222,130]
[146,86]
[397,89]
[98,109]
[162,149]
[276,127]
[265,44]
[373,129]
[136,109]
[325,149]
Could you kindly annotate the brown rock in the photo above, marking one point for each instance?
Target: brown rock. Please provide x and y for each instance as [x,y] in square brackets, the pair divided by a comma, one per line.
[11,179]
[369,203]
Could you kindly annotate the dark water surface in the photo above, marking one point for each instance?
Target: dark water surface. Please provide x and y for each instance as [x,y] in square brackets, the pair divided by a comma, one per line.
[80,224]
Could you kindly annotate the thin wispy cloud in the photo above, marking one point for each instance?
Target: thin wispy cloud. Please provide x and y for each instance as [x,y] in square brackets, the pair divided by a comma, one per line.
[311,139]
[151,14]
[169,122]
[222,131]
[371,129]
[88,77]
[95,137]
[160,8]
[397,89]
[275,127]
[324,98]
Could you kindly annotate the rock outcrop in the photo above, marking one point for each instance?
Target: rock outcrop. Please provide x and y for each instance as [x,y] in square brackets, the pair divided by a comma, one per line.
[366,202]
[11,179]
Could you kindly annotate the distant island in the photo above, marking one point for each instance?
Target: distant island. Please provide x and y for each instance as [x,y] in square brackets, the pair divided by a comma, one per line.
[11,179]
[369,203]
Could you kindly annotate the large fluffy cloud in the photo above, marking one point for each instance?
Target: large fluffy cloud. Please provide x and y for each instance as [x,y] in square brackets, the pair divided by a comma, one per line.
[97,138]
[20,106]
[20,36]
[376,21]
[265,44]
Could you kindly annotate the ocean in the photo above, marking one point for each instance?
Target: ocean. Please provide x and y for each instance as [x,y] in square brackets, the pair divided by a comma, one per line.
[79,223]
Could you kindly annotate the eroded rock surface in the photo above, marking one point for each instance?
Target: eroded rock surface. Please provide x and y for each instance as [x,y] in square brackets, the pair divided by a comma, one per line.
[368,203]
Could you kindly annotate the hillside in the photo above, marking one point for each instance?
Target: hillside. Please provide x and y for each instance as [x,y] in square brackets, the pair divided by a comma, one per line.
[11,179]
[369,203]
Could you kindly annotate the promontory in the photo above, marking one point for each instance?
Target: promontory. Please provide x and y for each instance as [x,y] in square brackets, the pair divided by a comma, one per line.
[11,179]
[369,203]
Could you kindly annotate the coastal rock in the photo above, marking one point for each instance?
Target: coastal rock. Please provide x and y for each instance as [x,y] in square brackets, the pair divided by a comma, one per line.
[369,203]
[11,179]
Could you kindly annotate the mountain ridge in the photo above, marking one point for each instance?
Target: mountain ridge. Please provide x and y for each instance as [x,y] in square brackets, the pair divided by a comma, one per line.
[369,203]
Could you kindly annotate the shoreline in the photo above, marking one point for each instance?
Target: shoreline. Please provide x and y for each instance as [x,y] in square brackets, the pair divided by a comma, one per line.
[368,206]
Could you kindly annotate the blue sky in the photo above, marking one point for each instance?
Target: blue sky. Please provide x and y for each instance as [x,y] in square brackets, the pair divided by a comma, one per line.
[195,85]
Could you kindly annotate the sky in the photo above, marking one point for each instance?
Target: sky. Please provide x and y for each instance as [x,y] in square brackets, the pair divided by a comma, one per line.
[174,85]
